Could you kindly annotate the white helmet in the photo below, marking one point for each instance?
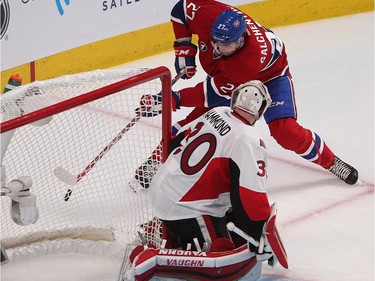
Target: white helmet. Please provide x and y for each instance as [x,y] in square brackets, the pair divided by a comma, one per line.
[252,97]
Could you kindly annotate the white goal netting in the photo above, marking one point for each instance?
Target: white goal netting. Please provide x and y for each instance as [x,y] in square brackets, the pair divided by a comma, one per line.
[102,206]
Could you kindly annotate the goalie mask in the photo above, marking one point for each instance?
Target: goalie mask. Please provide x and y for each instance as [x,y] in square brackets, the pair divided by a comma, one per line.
[251,97]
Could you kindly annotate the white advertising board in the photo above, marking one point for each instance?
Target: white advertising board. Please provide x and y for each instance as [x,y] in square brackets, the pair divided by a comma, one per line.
[34,29]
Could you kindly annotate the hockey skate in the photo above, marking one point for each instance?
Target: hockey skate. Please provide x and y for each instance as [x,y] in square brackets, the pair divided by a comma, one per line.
[344,171]
[144,174]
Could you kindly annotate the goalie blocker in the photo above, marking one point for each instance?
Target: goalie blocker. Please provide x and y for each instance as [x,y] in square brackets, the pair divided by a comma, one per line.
[242,263]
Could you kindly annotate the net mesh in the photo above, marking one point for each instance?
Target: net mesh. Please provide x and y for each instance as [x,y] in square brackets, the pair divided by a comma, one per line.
[72,139]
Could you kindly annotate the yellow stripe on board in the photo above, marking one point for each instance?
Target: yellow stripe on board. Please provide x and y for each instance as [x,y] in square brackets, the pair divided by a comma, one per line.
[158,39]
[271,13]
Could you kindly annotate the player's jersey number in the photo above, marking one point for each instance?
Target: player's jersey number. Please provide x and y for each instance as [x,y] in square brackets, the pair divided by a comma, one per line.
[211,142]
[191,9]
[261,168]
[208,139]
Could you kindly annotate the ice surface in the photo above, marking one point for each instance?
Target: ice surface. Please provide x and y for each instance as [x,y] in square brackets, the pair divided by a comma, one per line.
[327,226]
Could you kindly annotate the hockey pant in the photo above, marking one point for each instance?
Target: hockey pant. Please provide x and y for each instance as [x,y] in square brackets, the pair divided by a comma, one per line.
[292,136]
[205,233]
[281,118]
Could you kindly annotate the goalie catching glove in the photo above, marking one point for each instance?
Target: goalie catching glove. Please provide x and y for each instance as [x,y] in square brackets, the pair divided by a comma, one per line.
[185,58]
[151,105]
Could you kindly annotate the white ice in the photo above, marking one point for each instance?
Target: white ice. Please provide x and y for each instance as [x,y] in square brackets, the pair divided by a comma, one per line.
[327,226]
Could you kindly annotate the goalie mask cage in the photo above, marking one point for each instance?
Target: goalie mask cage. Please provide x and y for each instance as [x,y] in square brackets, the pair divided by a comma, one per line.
[66,122]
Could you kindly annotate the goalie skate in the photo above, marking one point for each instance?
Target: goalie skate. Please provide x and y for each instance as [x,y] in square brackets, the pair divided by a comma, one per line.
[344,171]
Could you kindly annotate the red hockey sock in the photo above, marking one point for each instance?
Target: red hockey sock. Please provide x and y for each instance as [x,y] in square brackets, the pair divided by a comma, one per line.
[290,135]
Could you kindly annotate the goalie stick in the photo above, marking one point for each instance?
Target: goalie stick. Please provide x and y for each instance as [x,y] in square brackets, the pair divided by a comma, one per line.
[270,234]
[231,227]
[70,179]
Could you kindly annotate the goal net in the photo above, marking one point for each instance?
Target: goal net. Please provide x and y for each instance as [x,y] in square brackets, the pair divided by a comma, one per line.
[86,125]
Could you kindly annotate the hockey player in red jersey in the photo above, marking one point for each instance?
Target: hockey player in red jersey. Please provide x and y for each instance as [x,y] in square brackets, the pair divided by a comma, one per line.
[218,165]
[233,48]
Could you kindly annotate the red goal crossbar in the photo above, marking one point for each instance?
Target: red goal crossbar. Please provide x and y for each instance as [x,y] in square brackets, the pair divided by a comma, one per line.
[160,72]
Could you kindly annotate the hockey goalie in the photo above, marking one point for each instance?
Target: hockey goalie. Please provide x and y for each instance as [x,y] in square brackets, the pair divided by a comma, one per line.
[210,197]
[239,258]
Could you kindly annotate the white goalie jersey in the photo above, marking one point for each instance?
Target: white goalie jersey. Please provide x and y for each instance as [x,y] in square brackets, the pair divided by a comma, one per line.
[197,177]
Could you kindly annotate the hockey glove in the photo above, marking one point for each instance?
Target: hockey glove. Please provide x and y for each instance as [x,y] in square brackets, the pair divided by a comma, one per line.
[264,252]
[185,58]
[151,105]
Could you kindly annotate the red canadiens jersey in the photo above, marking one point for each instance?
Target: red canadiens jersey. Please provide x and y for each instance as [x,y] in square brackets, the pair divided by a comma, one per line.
[222,157]
[262,57]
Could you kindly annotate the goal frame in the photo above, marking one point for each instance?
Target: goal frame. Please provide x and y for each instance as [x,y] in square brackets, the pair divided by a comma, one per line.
[121,85]
[161,72]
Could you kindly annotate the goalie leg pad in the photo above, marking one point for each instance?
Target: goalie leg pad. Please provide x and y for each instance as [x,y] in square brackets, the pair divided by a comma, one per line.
[193,265]
[273,239]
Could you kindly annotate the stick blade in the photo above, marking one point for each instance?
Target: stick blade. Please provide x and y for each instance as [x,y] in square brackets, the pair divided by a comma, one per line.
[65,176]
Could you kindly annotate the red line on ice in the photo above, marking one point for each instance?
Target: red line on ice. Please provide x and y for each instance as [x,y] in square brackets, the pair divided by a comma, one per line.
[367,189]
[329,207]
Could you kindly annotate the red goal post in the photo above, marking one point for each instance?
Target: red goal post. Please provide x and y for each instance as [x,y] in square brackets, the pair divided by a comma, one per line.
[67,121]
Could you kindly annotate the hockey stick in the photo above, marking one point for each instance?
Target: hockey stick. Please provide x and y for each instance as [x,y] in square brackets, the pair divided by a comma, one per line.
[231,227]
[71,179]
